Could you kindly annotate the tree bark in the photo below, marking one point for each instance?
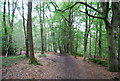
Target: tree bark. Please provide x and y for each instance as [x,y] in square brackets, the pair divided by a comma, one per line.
[112,48]
[10,25]
[96,39]
[100,31]
[86,36]
[41,28]
[70,32]
[116,25]
[30,38]
[5,30]
[112,61]
[90,43]
[119,48]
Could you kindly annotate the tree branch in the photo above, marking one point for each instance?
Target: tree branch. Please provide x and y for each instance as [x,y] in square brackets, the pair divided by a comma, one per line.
[70,7]
[90,7]
[83,4]
[55,6]
[21,14]
[66,19]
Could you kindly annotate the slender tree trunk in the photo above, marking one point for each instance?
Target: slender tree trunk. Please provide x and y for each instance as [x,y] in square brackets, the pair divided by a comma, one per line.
[45,45]
[85,36]
[59,47]
[96,38]
[90,43]
[41,28]
[26,38]
[54,44]
[42,38]
[8,42]
[5,30]
[8,13]
[100,31]
[70,32]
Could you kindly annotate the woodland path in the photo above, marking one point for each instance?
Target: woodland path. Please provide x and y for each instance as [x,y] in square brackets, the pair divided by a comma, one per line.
[57,66]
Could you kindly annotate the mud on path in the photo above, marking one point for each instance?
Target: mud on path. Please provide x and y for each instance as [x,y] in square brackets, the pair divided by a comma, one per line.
[57,66]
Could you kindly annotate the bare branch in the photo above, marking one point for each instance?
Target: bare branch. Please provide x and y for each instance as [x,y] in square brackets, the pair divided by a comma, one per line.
[21,14]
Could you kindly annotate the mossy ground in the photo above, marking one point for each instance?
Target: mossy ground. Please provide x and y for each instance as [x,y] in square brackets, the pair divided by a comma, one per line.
[8,61]
[34,62]
[42,55]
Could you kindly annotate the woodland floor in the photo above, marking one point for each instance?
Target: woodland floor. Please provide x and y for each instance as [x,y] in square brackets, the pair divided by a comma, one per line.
[57,66]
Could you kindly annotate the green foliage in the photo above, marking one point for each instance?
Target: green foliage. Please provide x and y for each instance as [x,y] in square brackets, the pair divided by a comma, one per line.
[42,55]
[8,61]
[97,61]
[81,55]
[78,54]
[71,55]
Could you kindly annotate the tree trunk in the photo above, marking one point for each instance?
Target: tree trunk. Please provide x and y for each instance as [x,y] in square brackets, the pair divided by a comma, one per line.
[119,43]
[100,31]
[42,38]
[96,38]
[90,43]
[10,24]
[30,38]
[85,36]
[112,61]
[26,38]
[41,28]
[5,30]
[116,25]
[70,32]
[119,48]
[112,64]
[54,45]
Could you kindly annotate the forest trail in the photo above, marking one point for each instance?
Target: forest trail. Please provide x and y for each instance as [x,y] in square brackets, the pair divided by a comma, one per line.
[57,66]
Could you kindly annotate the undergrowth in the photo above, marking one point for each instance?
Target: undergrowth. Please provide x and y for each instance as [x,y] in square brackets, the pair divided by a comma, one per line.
[101,62]
[81,55]
[78,54]
[8,61]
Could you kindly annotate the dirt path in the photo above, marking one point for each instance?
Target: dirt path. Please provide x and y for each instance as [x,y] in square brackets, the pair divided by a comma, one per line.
[57,67]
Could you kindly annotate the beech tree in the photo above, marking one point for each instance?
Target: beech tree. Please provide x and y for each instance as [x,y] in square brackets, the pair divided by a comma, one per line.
[29,32]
